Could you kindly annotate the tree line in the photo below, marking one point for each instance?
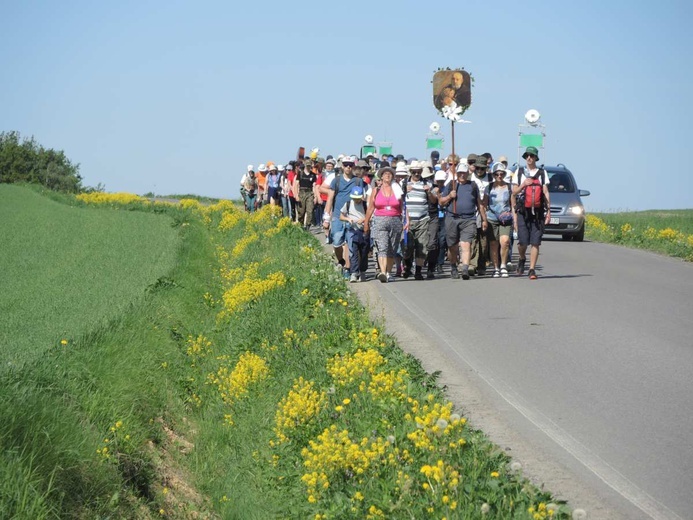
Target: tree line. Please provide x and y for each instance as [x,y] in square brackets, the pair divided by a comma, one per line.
[26,161]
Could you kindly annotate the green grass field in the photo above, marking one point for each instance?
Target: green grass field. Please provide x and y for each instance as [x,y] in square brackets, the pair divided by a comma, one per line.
[67,270]
[664,231]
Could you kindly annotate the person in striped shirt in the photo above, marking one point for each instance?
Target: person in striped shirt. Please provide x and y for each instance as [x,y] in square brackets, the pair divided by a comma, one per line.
[418,197]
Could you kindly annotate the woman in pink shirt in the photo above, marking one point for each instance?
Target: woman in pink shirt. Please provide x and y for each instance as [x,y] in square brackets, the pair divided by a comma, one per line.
[386,207]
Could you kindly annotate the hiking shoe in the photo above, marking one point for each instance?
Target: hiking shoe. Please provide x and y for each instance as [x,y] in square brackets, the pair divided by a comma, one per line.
[496,273]
[471,271]
[430,275]
[353,278]
[406,274]
[510,266]
[481,272]
[439,269]
[520,267]
[454,273]
[465,272]
[532,274]
[418,276]
[382,277]
[363,277]
[504,272]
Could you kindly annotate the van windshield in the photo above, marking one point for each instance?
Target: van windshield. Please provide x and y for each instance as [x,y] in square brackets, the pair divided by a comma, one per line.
[560,183]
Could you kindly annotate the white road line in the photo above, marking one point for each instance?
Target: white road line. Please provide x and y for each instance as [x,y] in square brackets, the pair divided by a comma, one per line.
[602,469]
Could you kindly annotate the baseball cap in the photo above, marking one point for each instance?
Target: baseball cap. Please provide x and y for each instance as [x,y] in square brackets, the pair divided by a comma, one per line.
[356,192]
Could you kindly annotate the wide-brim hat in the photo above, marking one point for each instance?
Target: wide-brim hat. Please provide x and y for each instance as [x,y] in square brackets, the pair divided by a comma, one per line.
[426,173]
[386,169]
[531,150]
[498,167]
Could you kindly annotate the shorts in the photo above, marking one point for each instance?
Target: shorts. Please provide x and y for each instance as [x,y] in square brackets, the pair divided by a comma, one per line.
[337,232]
[273,193]
[530,229]
[459,229]
[494,231]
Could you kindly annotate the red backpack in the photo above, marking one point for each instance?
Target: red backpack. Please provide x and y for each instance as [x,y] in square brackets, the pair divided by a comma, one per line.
[534,193]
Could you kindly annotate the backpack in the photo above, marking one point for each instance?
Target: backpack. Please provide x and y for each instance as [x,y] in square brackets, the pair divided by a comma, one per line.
[338,180]
[533,194]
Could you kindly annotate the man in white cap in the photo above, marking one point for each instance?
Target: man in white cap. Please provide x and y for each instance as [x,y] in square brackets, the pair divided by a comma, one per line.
[462,200]
[418,198]
[339,194]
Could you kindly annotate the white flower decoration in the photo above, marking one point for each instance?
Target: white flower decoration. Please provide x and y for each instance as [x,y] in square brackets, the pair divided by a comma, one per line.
[453,113]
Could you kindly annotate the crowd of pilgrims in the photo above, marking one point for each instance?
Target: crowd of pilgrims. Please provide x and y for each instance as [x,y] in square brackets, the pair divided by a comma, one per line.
[411,217]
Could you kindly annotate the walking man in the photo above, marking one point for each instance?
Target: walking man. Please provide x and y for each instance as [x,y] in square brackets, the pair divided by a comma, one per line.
[462,200]
[533,207]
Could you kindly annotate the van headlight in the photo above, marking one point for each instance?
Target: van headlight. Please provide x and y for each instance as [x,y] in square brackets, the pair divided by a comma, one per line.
[576,210]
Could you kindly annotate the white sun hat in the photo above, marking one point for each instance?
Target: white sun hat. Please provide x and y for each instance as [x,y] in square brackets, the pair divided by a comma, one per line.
[401,168]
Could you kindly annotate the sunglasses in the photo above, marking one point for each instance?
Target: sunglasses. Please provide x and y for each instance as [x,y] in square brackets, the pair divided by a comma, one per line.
[348,165]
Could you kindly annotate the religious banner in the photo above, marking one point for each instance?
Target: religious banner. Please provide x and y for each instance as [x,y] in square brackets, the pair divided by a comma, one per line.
[452,88]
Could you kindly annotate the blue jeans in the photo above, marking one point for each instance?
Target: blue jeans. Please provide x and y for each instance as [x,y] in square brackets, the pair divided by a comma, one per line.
[286,206]
[358,242]
[250,201]
[318,211]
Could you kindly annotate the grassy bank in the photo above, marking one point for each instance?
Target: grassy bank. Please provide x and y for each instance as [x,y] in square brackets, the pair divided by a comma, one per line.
[665,231]
[66,271]
[247,383]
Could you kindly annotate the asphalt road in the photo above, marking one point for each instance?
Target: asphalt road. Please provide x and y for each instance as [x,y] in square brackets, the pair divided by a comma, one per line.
[585,375]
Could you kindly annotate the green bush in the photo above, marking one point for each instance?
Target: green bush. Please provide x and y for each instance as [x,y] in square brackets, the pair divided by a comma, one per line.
[26,161]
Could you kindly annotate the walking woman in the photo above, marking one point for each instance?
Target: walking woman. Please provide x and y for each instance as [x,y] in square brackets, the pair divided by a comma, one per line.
[501,220]
[386,207]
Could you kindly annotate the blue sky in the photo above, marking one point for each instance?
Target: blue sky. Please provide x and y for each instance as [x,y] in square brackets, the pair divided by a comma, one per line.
[178,97]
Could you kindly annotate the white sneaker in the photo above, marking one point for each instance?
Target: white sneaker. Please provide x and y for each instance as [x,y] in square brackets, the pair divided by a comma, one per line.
[353,278]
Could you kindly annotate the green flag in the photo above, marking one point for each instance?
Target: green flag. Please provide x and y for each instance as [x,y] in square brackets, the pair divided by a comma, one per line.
[536,140]
[385,149]
[434,142]
[366,149]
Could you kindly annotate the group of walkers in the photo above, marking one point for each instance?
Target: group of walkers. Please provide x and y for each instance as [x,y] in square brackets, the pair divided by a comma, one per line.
[413,215]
